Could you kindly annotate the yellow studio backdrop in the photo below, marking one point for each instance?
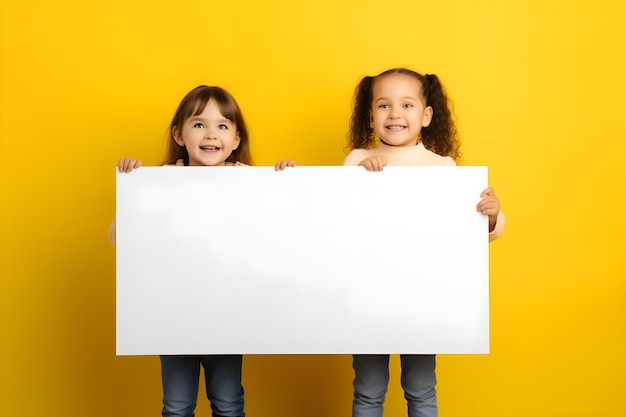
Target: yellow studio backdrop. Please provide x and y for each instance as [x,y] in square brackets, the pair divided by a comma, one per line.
[538,88]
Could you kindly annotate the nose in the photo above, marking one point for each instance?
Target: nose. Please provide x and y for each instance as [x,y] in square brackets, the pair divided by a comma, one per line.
[393,113]
[211,133]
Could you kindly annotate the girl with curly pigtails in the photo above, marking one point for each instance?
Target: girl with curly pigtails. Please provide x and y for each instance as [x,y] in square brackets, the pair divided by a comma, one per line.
[401,117]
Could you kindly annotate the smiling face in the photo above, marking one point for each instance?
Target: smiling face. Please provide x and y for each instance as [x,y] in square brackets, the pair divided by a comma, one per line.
[398,110]
[209,137]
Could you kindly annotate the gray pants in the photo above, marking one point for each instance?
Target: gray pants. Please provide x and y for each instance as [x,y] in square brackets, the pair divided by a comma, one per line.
[372,377]
[222,375]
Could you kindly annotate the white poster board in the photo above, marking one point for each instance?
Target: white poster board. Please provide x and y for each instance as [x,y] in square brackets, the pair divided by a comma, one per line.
[217,260]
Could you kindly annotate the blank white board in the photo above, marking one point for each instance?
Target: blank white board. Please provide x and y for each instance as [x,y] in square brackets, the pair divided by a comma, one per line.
[223,260]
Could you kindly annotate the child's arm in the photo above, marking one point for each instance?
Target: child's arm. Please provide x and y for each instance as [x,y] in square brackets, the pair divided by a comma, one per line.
[112,232]
[498,228]
[489,205]
[281,165]
[123,165]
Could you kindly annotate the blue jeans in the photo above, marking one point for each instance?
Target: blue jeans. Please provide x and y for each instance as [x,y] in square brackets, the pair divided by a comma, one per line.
[181,375]
[372,378]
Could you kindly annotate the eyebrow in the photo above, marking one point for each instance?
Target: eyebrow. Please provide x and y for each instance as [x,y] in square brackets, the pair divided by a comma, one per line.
[401,98]
[202,119]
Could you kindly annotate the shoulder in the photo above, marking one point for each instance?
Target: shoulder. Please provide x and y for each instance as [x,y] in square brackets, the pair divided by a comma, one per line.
[356,156]
[431,158]
[448,161]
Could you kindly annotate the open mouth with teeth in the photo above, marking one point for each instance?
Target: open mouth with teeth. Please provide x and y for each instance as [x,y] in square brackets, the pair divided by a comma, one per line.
[395,127]
[209,148]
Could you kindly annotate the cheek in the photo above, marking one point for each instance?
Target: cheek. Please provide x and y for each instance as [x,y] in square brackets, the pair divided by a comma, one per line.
[234,143]
[375,118]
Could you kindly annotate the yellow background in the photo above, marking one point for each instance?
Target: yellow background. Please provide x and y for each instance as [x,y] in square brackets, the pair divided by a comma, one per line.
[538,88]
